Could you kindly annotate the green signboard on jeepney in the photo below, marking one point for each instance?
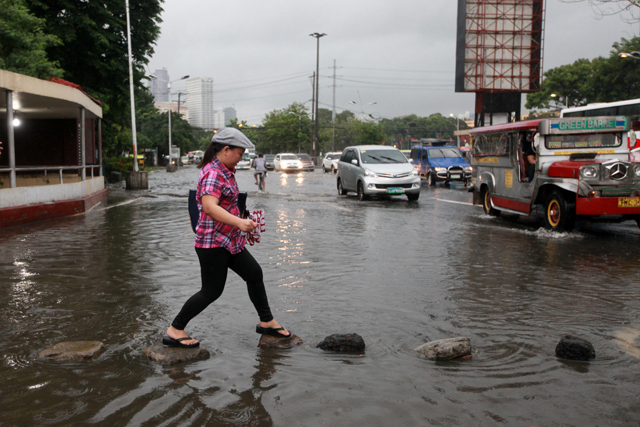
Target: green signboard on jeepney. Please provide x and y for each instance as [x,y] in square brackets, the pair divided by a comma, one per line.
[583,125]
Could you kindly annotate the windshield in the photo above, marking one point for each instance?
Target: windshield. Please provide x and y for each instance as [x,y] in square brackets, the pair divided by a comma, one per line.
[246,156]
[304,157]
[288,157]
[585,140]
[444,153]
[269,156]
[333,156]
[382,156]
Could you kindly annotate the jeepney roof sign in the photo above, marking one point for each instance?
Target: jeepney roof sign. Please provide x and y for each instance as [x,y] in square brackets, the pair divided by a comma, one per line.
[568,125]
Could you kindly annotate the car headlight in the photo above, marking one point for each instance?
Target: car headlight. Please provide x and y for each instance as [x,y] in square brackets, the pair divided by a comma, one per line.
[414,172]
[441,169]
[370,173]
[636,171]
[468,168]
[590,171]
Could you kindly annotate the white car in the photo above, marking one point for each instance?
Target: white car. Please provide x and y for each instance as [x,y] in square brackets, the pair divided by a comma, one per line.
[330,162]
[287,162]
[245,163]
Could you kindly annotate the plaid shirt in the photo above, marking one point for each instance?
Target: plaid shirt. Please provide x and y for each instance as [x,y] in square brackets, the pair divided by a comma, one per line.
[220,182]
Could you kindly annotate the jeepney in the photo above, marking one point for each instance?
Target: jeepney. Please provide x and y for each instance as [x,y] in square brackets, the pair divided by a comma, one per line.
[582,170]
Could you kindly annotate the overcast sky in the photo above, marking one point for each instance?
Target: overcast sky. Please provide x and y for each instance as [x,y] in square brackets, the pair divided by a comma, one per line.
[399,54]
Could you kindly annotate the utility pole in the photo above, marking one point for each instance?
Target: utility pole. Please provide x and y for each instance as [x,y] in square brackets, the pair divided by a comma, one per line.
[313,110]
[333,114]
[317,78]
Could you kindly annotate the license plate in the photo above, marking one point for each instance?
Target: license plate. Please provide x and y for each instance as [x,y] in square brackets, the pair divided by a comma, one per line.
[629,202]
[395,190]
[455,176]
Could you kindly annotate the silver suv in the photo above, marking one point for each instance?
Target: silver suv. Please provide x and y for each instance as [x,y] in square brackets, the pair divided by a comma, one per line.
[377,170]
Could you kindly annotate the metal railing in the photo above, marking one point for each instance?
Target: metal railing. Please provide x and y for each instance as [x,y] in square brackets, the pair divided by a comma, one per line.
[45,169]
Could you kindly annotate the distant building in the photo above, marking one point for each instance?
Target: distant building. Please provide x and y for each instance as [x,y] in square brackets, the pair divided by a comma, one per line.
[163,107]
[218,119]
[200,102]
[159,86]
[229,114]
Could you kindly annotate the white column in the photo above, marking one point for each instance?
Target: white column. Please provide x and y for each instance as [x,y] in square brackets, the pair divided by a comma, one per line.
[11,142]
[83,148]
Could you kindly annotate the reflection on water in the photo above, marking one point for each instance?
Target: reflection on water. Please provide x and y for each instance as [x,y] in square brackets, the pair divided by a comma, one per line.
[397,273]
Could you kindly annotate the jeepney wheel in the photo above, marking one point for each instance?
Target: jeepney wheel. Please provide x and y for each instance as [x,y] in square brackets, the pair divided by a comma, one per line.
[341,190]
[558,214]
[430,180]
[486,204]
[361,195]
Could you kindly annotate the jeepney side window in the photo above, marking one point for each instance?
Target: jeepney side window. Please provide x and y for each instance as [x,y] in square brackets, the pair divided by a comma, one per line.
[413,153]
[491,145]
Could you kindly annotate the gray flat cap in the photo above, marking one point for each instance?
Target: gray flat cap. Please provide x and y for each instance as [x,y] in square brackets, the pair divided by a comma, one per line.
[233,137]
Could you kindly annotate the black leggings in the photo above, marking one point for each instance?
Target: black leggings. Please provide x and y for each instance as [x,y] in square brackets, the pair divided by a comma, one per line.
[214,264]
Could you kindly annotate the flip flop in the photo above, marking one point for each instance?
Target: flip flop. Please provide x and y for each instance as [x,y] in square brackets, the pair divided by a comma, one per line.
[272,331]
[172,342]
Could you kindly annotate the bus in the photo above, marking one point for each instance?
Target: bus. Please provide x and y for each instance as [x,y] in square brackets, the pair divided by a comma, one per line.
[580,170]
[629,108]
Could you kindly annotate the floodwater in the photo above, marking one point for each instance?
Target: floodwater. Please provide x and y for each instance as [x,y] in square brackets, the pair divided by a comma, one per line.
[399,274]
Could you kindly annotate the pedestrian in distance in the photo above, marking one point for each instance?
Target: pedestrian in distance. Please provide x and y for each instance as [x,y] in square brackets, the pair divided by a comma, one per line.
[260,168]
[219,243]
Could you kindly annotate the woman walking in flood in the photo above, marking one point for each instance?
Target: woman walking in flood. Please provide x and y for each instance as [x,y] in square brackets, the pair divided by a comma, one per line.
[219,243]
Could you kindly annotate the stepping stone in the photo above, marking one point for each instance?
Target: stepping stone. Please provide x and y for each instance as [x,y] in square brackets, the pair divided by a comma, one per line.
[73,351]
[343,343]
[171,355]
[575,348]
[268,341]
[446,349]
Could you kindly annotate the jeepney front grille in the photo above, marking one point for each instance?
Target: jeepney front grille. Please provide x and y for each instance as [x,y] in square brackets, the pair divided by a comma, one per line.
[455,169]
[615,190]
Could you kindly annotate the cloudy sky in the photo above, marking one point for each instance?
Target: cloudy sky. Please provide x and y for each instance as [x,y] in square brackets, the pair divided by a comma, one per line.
[397,54]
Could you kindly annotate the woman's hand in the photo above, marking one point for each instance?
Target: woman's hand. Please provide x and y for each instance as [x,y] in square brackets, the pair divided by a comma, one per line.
[247,225]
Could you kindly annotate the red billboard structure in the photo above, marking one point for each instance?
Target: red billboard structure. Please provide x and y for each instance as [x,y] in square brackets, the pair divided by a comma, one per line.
[499,54]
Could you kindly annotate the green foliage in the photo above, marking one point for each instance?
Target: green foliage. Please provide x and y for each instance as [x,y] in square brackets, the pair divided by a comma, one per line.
[93,52]
[286,130]
[589,81]
[120,164]
[23,42]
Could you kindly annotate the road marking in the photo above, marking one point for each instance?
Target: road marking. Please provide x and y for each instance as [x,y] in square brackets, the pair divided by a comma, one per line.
[627,338]
[459,203]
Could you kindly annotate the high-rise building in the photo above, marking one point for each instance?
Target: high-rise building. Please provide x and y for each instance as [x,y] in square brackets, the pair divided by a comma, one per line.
[229,114]
[200,102]
[218,119]
[159,86]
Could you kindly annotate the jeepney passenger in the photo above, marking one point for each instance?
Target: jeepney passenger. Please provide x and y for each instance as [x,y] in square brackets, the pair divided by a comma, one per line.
[529,155]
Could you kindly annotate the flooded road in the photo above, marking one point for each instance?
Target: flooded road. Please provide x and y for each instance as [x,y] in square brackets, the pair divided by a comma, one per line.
[397,273]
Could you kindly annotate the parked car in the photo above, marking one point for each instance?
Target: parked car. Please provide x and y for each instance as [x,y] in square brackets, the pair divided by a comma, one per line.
[287,162]
[307,162]
[377,170]
[440,163]
[245,163]
[330,162]
[268,161]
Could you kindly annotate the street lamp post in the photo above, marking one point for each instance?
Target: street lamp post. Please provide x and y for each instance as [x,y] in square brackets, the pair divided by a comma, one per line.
[457,128]
[566,99]
[170,107]
[316,139]
[362,107]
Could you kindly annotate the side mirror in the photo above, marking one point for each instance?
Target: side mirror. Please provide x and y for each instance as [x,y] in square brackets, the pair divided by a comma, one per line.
[410,160]
[354,162]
